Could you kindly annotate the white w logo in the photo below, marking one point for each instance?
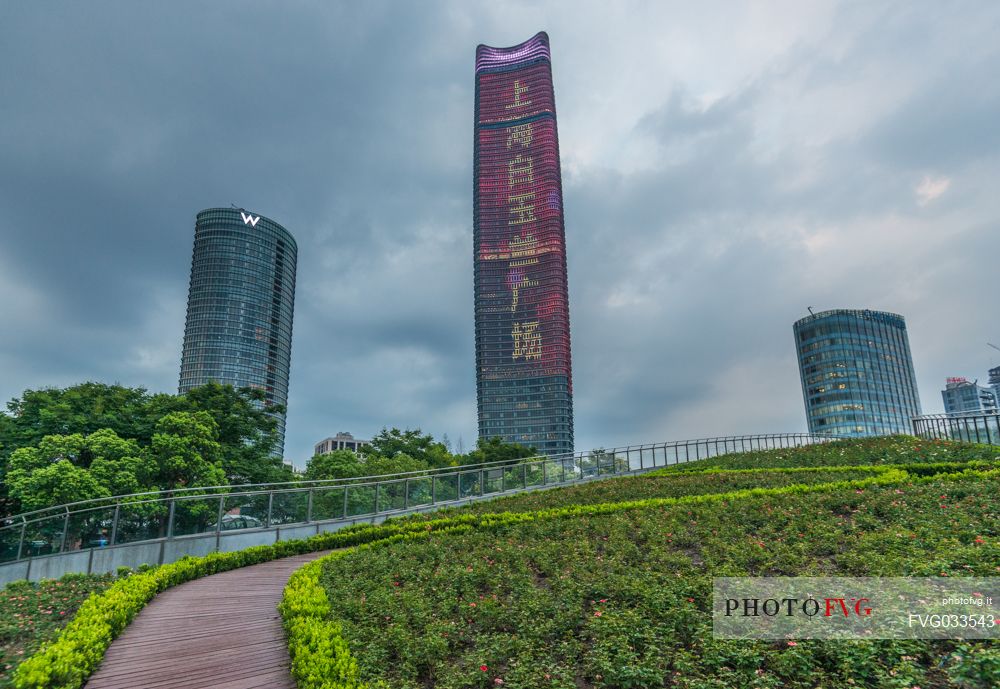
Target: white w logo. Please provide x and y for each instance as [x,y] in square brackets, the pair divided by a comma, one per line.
[249,219]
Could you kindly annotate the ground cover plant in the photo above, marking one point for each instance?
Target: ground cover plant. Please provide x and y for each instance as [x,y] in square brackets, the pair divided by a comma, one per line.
[33,613]
[897,449]
[620,598]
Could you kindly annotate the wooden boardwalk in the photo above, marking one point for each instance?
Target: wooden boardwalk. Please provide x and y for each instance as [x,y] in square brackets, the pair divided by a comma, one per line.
[218,632]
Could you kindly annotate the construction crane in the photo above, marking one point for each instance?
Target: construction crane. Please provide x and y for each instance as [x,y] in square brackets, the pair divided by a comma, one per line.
[993,346]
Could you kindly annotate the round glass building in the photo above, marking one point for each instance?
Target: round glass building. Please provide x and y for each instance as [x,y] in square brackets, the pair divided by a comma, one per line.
[240,305]
[857,373]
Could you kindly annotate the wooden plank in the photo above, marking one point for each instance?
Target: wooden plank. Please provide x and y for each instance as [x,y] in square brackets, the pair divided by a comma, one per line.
[218,632]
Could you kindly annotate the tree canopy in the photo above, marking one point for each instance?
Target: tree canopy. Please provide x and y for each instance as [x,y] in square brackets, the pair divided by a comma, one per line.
[95,440]
[393,451]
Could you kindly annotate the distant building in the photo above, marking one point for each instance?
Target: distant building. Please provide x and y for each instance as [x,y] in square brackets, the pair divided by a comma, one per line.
[857,373]
[960,395]
[240,303]
[995,381]
[341,441]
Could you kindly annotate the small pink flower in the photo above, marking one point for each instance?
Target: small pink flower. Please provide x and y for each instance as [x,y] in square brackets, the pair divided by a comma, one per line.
[793,643]
[597,613]
[483,668]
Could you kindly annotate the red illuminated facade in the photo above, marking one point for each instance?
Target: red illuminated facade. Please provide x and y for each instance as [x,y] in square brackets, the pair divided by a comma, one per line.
[523,369]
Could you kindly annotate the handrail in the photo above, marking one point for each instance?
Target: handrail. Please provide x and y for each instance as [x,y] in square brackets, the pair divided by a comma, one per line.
[318,483]
[168,514]
[979,427]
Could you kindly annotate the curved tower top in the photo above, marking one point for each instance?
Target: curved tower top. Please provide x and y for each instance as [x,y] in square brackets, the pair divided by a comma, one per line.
[536,47]
[523,369]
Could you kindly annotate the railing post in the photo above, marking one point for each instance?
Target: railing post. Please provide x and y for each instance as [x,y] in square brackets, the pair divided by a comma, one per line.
[170,518]
[346,488]
[270,507]
[524,475]
[222,508]
[482,482]
[378,486]
[114,525]
[503,480]
[309,507]
[20,543]
[62,541]
[406,494]
[434,489]
[562,464]
[545,472]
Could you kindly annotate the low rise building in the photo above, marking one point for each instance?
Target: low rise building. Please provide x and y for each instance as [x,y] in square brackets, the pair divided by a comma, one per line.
[341,441]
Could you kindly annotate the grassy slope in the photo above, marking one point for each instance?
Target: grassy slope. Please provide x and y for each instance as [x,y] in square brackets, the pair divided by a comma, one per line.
[621,600]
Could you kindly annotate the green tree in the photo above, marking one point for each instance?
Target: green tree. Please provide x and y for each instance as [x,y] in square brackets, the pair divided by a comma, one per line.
[185,452]
[83,409]
[333,465]
[55,483]
[128,421]
[414,443]
[496,450]
[247,434]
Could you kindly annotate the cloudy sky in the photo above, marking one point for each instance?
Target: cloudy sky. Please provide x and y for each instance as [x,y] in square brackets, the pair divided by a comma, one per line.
[726,165]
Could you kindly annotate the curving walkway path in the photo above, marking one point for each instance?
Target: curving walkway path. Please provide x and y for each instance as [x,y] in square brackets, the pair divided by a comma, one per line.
[219,632]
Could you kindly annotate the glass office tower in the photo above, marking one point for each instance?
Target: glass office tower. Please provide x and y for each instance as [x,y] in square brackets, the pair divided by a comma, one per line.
[240,305]
[523,373]
[857,373]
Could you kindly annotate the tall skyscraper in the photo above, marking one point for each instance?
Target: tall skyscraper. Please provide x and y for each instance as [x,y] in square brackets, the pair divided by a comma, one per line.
[240,305]
[857,373]
[523,371]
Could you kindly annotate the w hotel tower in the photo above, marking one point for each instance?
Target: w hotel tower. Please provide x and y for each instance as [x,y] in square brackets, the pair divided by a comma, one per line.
[240,304]
[523,373]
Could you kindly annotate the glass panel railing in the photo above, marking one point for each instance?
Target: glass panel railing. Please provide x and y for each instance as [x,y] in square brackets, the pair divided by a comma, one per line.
[289,507]
[513,478]
[492,481]
[534,474]
[140,521]
[391,496]
[195,515]
[418,492]
[328,503]
[43,536]
[446,488]
[244,511]
[89,529]
[10,540]
[360,500]
[469,484]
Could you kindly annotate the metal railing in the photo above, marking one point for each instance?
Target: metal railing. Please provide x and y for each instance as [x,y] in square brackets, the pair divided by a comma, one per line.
[221,510]
[970,427]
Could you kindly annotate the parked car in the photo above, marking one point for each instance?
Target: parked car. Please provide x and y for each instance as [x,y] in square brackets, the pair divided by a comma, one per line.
[232,522]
